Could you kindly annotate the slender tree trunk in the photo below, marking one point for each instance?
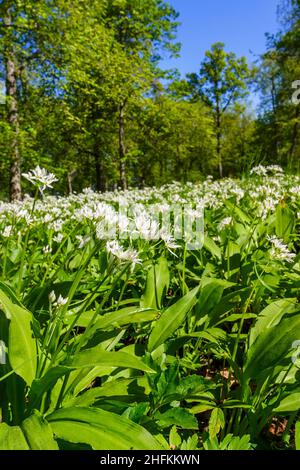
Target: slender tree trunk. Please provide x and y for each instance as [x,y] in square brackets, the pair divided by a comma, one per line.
[219,134]
[12,113]
[100,179]
[122,147]
[71,175]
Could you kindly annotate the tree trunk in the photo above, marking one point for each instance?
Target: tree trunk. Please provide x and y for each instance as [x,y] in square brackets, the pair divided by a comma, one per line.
[219,134]
[122,147]
[100,179]
[12,113]
[71,175]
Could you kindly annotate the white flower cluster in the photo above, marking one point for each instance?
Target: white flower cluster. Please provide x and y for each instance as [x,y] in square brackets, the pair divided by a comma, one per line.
[57,301]
[261,170]
[225,223]
[82,217]
[280,251]
[119,252]
[41,178]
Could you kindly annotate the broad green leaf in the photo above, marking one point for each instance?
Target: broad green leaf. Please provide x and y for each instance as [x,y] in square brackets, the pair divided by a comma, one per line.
[285,223]
[128,315]
[38,433]
[88,376]
[12,438]
[211,246]
[100,429]
[271,346]
[125,389]
[45,384]
[230,301]
[171,319]
[98,357]
[271,316]
[22,350]
[289,404]
[210,296]
[157,283]
[10,294]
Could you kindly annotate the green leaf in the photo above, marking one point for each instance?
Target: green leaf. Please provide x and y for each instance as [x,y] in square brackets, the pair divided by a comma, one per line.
[157,283]
[202,407]
[38,433]
[271,316]
[216,422]
[22,350]
[100,429]
[174,438]
[98,357]
[171,319]
[127,389]
[289,404]
[45,384]
[271,346]
[176,416]
[12,438]
[211,246]
[128,315]
[210,296]
[285,223]
[239,214]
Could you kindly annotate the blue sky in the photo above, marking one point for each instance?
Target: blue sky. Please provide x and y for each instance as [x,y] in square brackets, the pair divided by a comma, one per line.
[240,24]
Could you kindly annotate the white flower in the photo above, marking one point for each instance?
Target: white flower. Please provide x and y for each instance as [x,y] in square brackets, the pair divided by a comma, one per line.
[52,297]
[83,240]
[57,301]
[261,170]
[58,238]
[60,301]
[170,242]
[7,231]
[40,178]
[225,223]
[47,249]
[130,255]
[280,251]
[56,225]
[146,227]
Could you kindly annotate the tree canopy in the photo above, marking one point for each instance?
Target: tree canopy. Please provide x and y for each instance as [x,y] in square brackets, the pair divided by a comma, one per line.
[85,96]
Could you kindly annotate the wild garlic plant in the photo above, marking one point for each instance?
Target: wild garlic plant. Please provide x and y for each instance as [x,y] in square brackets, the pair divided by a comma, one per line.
[118,334]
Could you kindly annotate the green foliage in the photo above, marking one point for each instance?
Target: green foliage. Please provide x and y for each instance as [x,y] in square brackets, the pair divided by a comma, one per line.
[102,113]
[153,346]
